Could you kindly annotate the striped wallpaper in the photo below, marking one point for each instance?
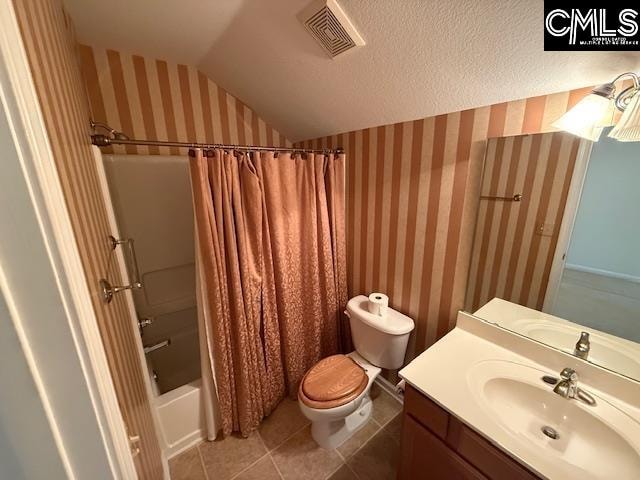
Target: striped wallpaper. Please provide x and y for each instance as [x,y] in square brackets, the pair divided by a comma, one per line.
[50,45]
[412,187]
[512,255]
[412,199]
[153,99]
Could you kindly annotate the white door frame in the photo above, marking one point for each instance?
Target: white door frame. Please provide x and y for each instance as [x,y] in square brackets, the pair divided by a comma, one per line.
[35,161]
[568,222]
[131,307]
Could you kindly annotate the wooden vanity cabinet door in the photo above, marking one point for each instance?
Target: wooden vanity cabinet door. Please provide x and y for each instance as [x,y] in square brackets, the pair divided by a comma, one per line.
[494,463]
[427,412]
[424,456]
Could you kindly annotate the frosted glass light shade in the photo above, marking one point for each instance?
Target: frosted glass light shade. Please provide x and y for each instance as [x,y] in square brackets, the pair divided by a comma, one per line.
[587,118]
[628,127]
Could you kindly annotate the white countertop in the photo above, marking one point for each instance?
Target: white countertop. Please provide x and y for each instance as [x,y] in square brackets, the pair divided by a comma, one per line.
[441,373]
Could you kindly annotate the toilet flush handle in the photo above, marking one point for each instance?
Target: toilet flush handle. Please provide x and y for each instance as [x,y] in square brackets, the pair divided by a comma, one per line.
[347,314]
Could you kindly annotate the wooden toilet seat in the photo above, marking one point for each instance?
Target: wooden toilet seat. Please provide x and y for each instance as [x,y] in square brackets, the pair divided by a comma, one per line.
[332,382]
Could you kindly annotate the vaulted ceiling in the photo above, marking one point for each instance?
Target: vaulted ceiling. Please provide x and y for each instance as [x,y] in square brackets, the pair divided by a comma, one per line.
[421,58]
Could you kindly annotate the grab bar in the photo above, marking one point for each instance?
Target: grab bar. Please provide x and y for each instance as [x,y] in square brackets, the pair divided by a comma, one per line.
[131,264]
[156,346]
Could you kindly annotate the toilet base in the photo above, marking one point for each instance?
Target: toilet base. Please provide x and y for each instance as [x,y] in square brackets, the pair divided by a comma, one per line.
[334,433]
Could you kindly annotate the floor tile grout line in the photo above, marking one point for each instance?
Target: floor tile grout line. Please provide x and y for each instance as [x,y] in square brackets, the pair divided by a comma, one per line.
[285,440]
[353,471]
[389,420]
[343,464]
[380,428]
[266,449]
[344,460]
[204,469]
[266,452]
[249,466]
[275,465]
[364,444]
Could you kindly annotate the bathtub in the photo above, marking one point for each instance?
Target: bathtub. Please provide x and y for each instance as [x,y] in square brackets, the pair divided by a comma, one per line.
[180,418]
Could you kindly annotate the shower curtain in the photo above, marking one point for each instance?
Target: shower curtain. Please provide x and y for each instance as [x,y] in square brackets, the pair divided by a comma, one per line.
[270,245]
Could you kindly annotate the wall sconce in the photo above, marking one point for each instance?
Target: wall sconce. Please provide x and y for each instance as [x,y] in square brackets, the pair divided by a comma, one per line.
[593,113]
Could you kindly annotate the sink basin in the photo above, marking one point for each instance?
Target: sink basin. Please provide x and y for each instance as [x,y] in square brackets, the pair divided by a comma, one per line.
[589,443]
[607,351]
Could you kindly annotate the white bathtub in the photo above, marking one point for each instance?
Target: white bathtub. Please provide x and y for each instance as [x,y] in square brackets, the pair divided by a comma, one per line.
[179,411]
[181,418]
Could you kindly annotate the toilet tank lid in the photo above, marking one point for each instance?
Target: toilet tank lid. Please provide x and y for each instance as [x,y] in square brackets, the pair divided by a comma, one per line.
[393,323]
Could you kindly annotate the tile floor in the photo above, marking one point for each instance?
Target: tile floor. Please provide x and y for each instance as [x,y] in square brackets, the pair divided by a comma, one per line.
[283,449]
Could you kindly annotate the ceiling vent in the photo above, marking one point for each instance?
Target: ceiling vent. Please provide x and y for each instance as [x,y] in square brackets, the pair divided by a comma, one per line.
[331,27]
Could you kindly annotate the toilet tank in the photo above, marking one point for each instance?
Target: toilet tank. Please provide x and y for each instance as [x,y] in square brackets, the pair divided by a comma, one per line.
[382,340]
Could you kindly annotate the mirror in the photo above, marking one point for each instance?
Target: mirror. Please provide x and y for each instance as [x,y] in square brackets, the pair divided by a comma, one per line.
[555,253]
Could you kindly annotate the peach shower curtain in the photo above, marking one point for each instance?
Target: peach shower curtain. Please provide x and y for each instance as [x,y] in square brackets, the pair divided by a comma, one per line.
[271,277]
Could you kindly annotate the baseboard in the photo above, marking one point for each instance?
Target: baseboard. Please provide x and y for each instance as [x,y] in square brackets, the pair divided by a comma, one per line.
[390,388]
[603,273]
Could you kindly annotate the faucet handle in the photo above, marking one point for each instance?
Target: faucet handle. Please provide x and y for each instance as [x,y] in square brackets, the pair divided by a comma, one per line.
[569,374]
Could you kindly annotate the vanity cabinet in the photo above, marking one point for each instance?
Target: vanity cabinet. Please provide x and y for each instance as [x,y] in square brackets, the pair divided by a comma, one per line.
[436,445]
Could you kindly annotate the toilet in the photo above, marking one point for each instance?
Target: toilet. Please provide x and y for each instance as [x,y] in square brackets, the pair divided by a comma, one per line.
[334,393]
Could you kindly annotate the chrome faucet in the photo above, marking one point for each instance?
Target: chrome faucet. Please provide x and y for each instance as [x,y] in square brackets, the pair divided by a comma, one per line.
[568,388]
[583,346]
[568,385]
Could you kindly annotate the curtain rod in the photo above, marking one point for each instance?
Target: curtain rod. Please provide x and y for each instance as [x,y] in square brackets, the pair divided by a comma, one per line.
[104,141]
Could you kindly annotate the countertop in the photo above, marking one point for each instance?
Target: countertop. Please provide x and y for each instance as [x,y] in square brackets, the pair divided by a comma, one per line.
[441,373]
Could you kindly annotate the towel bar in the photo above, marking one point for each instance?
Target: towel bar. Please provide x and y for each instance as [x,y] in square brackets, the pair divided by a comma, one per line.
[515,198]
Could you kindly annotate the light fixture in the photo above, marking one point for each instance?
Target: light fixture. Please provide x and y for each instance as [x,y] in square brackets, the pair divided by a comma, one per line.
[590,115]
[628,127]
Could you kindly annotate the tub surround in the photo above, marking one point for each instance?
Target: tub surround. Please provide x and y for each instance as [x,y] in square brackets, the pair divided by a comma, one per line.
[481,390]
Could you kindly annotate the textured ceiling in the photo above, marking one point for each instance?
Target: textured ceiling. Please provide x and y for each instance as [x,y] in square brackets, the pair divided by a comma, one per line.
[422,57]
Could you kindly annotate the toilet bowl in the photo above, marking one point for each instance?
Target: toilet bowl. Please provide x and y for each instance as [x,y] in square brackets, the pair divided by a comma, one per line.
[334,393]
[336,420]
